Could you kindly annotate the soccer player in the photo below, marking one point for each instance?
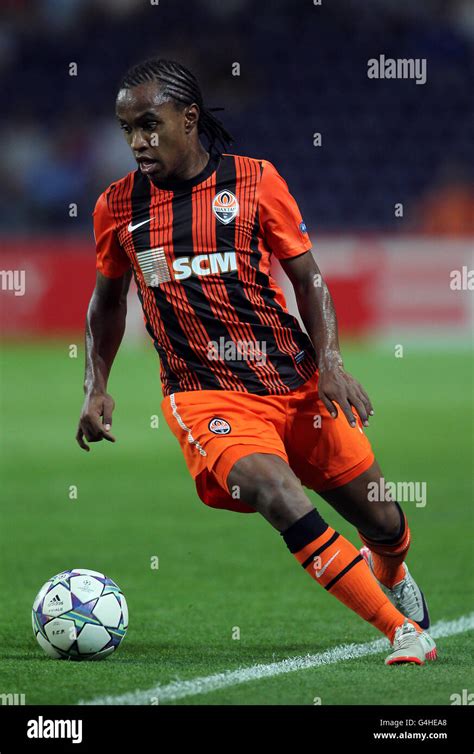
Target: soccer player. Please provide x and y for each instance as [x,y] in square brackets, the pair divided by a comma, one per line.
[259,407]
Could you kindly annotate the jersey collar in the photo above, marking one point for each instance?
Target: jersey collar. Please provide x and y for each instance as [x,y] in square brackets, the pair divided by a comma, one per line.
[184,185]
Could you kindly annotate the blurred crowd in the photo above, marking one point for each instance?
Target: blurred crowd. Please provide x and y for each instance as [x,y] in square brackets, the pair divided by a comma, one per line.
[303,70]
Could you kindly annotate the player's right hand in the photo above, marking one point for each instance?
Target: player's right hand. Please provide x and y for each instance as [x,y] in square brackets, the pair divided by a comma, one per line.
[95,420]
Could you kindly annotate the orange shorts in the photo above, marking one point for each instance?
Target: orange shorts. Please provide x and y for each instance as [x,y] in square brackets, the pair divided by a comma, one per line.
[217,427]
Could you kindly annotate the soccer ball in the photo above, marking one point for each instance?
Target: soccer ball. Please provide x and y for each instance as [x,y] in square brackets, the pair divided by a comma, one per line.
[79,615]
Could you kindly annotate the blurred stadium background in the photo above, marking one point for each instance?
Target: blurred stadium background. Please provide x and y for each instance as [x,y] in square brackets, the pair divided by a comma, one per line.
[303,70]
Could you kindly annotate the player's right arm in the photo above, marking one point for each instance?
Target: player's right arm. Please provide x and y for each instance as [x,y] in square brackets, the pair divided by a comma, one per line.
[105,327]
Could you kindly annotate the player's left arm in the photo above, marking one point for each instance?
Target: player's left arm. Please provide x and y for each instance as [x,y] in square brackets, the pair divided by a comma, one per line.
[317,311]
[285,233]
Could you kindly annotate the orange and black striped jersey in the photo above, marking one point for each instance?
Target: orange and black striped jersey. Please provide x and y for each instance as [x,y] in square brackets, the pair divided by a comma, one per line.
[200,253]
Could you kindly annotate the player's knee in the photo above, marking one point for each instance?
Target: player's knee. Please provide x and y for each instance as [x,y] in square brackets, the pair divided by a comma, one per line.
[276,497]
[386,523]
[269,486]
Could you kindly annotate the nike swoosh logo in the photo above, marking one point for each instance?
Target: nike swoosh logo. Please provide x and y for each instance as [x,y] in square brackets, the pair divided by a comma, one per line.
[131,227]
[320,573]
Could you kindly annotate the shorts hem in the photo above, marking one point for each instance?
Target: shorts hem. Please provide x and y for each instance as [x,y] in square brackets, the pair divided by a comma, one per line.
[347,476]
[235,453]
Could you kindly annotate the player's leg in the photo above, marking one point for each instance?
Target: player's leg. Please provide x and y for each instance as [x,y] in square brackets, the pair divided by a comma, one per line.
[234,449]
[337,461]
[381,523]
[383,528]
[268,484]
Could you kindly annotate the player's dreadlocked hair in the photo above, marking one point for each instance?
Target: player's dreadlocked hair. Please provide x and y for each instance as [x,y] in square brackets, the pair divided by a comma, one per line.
[180,85]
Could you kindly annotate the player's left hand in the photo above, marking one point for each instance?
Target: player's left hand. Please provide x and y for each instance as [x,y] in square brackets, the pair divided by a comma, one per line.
[337,386]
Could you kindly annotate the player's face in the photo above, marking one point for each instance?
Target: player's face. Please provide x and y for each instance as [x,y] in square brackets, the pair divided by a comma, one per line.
[158,133]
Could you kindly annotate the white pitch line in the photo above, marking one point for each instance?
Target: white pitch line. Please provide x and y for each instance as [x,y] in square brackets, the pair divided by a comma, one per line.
[205,684]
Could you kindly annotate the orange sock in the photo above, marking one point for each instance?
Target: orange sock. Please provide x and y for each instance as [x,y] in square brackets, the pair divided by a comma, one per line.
[388,557]
[338,566]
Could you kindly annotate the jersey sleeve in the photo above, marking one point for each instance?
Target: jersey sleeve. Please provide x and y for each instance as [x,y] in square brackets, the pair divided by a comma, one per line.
[111,259]
[280,218]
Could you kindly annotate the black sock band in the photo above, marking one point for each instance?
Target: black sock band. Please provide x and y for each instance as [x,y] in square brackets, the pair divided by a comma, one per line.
[303,531]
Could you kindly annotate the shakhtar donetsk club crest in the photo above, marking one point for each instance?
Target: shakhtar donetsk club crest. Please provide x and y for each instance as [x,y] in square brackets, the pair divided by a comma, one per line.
[225,206]
[219,426]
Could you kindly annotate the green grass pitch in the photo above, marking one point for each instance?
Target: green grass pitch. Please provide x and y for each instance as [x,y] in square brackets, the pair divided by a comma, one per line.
[219,570]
